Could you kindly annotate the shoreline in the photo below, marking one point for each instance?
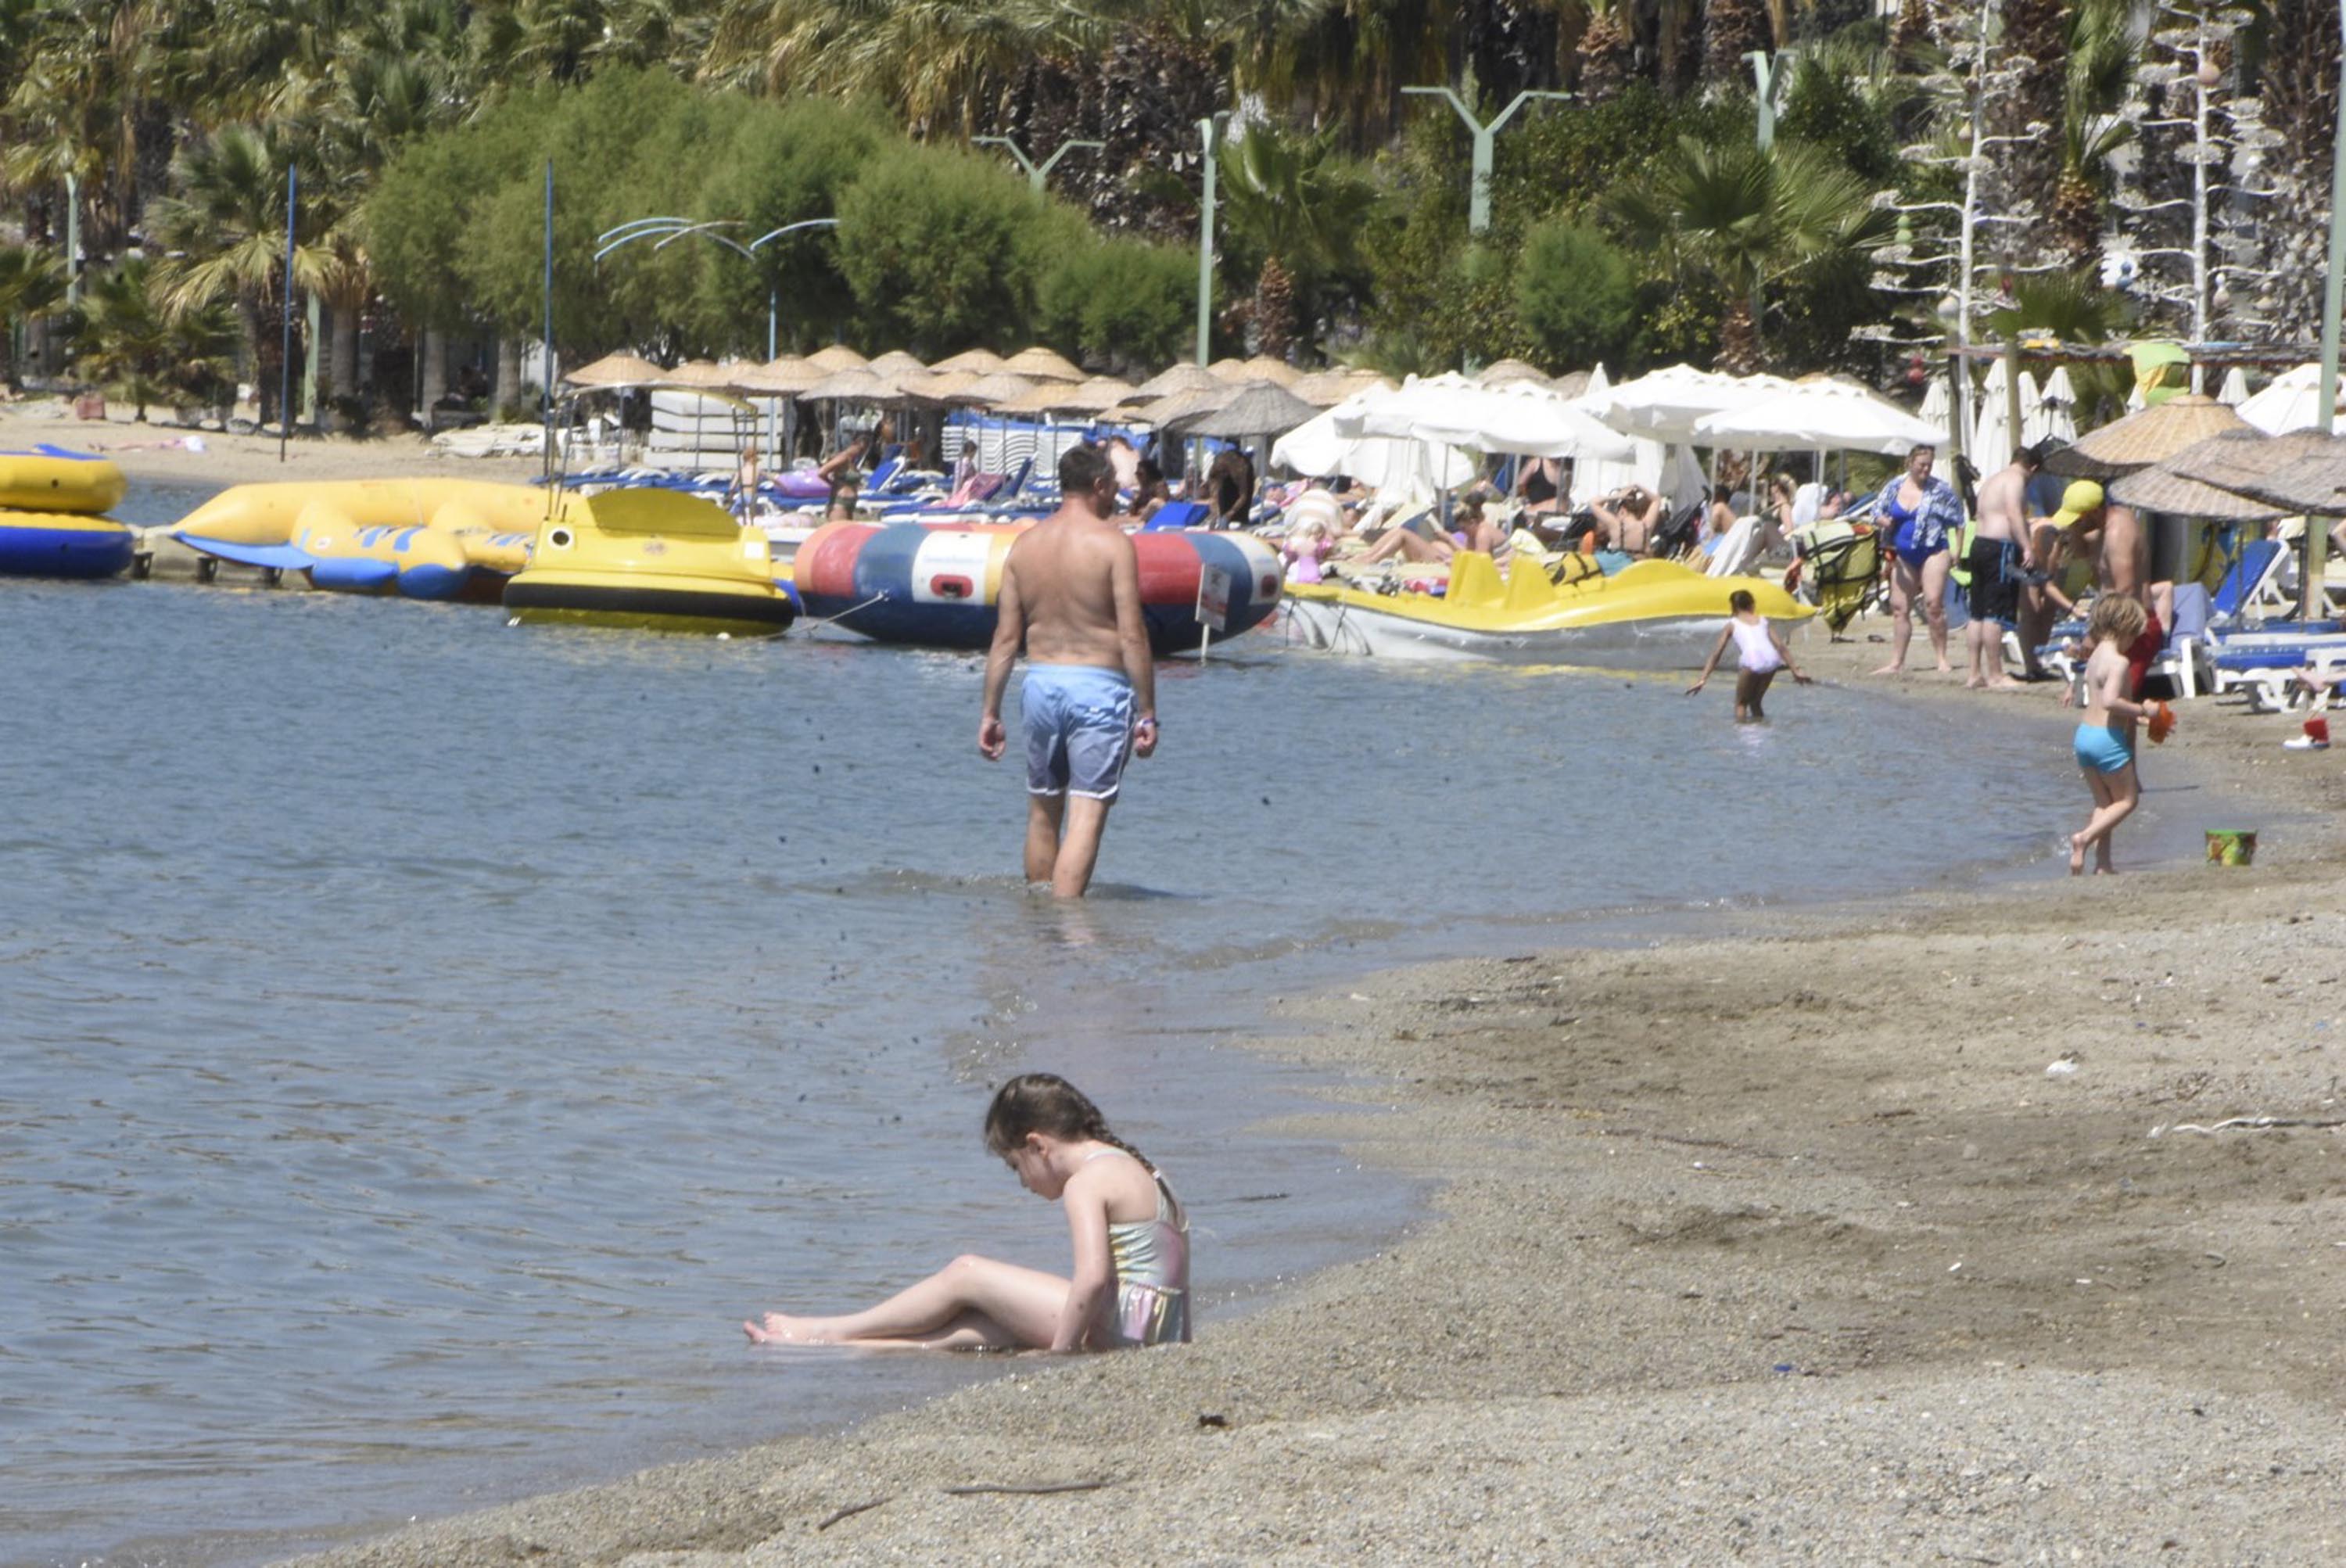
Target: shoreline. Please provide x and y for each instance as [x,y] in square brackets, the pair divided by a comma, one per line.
[1779,1244]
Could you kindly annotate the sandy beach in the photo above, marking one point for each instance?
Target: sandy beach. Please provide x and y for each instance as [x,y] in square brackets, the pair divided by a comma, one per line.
[1886,1233]
[157,452]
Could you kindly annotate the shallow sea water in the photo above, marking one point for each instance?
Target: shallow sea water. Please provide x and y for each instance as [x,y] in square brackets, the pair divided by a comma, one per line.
[421,1039]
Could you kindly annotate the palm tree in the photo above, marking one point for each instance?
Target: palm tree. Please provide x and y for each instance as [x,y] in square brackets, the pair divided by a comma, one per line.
[2102,55]
[1289,200]
[223,227]
[1606,58]
[1732,29]
[1748,220]
[32,286]
[125,341]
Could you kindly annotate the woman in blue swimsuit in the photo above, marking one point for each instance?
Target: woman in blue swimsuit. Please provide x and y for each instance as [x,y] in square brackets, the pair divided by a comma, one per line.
[1916,513]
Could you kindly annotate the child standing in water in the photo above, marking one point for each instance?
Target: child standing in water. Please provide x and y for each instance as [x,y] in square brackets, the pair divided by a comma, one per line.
[1759,652]
[2105,739]
[1131,1283]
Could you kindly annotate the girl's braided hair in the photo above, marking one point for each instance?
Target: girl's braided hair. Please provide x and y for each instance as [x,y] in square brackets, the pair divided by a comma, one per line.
[1046,1102]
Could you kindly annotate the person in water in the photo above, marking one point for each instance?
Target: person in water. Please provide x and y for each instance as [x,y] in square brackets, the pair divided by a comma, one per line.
[1916,515]
[1070,600]
[1760,653]
[1131,1281]
[2105,739]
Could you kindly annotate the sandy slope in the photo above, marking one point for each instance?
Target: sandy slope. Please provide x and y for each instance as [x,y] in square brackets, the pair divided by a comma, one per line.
[1783,1248]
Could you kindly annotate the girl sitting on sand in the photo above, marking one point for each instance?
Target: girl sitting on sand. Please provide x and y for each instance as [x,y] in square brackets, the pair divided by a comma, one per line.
[2104,740]
[1131,1284]
[1760,653]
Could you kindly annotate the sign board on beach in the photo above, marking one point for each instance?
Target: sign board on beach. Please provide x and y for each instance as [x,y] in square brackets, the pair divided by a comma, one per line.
[1213,596]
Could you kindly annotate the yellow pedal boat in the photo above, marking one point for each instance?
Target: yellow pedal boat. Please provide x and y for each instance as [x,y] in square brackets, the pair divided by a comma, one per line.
[654,560]
[1649,615]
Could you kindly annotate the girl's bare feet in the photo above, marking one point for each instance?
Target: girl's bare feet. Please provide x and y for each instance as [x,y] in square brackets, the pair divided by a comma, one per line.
[1892,670]
[780,1328]
[2076,854]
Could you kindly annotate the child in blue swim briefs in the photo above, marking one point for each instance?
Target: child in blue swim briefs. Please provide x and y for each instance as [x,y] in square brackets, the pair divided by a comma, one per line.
[2105,739]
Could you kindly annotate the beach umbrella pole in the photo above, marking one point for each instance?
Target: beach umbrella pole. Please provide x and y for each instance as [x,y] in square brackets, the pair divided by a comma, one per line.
[2310,598]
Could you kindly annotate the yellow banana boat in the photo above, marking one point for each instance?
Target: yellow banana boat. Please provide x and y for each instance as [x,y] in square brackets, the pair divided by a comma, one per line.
[425,538]
[53,479]
[1650,614]
[653,560]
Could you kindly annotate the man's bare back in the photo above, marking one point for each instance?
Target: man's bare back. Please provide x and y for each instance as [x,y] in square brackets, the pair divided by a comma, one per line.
[2003,507]
[1070,602]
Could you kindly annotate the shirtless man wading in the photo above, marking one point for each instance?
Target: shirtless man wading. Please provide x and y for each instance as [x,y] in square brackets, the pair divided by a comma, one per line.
[1071,600]
[2001,553]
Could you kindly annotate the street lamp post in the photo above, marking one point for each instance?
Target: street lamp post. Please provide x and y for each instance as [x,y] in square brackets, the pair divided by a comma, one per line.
[671,230]
[1211,130]
[1036,174]
[1478,196]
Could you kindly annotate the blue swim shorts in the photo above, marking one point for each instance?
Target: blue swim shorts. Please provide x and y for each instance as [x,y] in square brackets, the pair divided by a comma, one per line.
[1078,724]
[2102,748]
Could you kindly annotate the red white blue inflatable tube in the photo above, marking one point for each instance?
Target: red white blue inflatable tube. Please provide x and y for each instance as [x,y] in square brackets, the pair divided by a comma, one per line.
[936,587]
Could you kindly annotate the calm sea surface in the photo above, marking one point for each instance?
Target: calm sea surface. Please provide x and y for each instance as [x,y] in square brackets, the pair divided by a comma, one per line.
[423,1040]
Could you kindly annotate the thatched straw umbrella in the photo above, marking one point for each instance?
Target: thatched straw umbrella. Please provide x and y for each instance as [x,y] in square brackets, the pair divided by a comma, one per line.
[2139,440]
[785,377]
[896,364]
[936,388]
[976,362]
[1256,409]
[1174,379]
[1039,363]
[1500,373]
[837,357]
[994,389]
[2304,471]
[621,369]
[1279,373]
[1231,371]
[2165,487]
[1326,389]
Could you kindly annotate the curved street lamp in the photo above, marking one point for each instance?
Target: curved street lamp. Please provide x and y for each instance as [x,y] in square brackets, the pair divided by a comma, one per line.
[669,230]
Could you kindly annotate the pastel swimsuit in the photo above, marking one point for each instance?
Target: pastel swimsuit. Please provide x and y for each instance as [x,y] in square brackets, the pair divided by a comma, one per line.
[1152,1273]
[1755,649]
[2103,748]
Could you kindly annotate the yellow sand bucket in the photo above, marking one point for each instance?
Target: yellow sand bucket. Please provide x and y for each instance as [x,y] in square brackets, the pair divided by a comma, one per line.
[2231,845]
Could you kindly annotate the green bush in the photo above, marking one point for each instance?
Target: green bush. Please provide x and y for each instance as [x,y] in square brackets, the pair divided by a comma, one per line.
[1125,302]
[940,248]
[1575,294]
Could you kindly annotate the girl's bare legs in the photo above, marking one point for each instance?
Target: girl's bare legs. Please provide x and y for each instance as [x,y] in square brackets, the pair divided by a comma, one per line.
[2115,795]
[1750,689]
[971,1303]
[1407,546]
[1904,584]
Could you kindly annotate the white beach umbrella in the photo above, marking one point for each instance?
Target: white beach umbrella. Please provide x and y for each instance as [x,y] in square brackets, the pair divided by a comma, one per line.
[1395,470]
[1452,411]
[1991,443]
[1666,404]
[1826,414]
[2059,400]
[1938,410]
[2235,390]
[2293,402]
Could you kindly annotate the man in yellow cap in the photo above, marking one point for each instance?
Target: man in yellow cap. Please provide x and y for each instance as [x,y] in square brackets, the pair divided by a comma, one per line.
[2067,545]
[2112,536]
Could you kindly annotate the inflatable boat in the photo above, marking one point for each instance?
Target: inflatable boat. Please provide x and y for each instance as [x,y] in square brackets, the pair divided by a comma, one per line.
[936,585]
[63,544]
[53,479]
[423,538]
[1649,615]
[653,560]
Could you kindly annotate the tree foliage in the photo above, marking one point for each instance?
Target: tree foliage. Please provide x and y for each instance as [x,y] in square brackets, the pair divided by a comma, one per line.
[1575,294]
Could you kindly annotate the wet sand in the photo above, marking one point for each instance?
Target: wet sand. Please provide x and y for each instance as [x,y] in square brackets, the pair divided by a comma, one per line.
[1784,1246]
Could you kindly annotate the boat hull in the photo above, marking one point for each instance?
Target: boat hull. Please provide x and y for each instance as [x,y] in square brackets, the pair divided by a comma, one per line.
[650,560]
[39,544]
[1652,615]
[558,598]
